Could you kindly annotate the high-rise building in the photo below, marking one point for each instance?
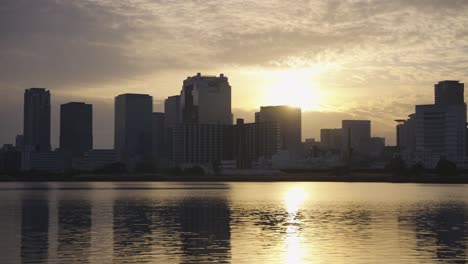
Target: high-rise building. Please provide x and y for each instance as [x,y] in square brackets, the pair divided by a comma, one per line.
[331,138]
[289,120]
[436,131]
[158,141]
[132,134]
[36,126]
[172,111]
[206,100]
[76,128]
[357,135]
[449,93]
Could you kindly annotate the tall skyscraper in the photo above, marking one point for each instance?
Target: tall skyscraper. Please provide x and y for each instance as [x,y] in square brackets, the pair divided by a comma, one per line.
[449,93]
[206,100]
[132,135]
[172,111]
[36,124]
[76,128]
[289,120]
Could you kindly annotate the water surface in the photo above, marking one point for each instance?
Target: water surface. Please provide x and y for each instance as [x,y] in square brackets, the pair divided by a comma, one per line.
[232,223]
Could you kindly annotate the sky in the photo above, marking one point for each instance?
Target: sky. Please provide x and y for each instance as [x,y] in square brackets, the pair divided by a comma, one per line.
[344,59]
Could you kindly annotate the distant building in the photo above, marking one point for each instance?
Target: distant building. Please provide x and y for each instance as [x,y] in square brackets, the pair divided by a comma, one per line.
[206,100]
[10,159]
[51,162]
[76,128]
[132,135]
[254,141]
[289,120]
[19,142]
[202,143]
[449,93]
[95,159]
[377,147]
[172,118]
[36,126]
[436,131]
[157,124]
[331,138]
[357,135]
[440,132]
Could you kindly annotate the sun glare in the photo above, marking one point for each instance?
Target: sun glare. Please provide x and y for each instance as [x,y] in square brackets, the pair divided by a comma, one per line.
[294,198]
[294,87]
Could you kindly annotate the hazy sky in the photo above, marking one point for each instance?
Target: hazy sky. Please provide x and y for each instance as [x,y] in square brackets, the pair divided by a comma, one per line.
[336,59]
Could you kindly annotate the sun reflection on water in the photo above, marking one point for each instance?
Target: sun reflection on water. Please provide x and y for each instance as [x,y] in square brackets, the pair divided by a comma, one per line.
[294,200]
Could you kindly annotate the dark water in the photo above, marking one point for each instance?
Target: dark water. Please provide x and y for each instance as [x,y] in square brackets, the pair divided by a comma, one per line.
[233,223]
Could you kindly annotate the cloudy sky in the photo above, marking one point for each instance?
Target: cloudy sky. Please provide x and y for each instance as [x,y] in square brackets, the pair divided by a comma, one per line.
[344,59]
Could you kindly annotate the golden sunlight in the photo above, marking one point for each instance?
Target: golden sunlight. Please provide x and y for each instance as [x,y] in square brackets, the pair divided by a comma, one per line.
[294,87]
[294,198]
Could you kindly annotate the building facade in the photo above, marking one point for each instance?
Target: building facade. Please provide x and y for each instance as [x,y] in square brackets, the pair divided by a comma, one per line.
[206,100]
[36,126]
[290,126]
[76,128]
[158,135]
[132,134]
[331,138]
[356,135]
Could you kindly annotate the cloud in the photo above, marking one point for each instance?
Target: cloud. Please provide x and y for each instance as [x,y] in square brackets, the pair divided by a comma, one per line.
[385,55]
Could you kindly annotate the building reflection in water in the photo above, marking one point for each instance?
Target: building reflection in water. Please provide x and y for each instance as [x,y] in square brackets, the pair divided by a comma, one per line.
[205,230]
[440,230]
[34,229]
[132,230]
[74,230]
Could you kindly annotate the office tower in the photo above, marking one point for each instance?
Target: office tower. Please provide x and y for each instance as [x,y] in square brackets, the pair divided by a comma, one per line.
[406,137]
[436,131]
[76,128]
[172,111]
[157,123]
[171,120]
[132,134]
[289,120]
[356,135]
[206,100]
[449,93]
[440,133]
[331,138]
[36,126]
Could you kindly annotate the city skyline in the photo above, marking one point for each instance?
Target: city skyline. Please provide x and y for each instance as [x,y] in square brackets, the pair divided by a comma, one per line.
[339,59]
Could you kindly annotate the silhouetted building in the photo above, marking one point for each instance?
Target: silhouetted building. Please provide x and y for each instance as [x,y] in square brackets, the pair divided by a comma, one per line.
[289,120]
[158,136]
[76,128]
[377,146]
[132,137]
[172,118]
[10,159]
[331,138]
[36,126]
[357,135]
[436,131]
[19,142]
[50,161]
[254,141]
[95,159]
[206,100]
[440,133]
[201,143]
[449,93]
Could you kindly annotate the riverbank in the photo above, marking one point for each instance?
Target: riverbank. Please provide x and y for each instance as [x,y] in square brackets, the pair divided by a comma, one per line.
[286,177]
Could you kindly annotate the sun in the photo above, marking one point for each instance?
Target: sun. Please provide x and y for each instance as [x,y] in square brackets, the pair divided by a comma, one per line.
[293,87]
